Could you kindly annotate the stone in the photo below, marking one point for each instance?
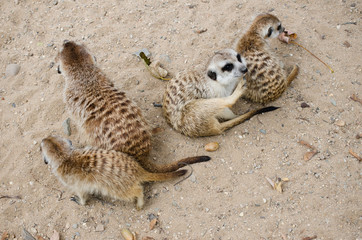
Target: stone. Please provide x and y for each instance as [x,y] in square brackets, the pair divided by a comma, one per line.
[99,228]
[12,70]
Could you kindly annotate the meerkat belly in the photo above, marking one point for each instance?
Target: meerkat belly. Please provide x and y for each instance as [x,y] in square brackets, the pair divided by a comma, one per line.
[265,78]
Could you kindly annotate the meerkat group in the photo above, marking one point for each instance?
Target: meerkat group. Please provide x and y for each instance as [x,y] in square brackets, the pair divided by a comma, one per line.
[195,103]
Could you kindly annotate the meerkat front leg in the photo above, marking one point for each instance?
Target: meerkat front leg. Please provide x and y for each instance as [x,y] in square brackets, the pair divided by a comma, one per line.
[238,92]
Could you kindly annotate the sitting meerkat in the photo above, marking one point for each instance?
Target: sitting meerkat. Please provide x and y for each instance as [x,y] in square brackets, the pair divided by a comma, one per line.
[108,117]
[87,171]
[195,103]
[266,78]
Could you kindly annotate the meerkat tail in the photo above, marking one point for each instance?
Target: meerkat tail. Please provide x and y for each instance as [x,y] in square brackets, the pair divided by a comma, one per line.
[246,116]
[175,165]
[293,74]
[156,177]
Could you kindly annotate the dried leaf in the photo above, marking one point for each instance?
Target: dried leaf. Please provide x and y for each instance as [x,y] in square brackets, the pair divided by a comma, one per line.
[270,182]
[145,58]
[308,156]
[153,223]
[41,238]
[355,155]
[127,235]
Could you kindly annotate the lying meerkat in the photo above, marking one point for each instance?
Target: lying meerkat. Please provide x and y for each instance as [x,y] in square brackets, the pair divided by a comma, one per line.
[195,102]
[87,171]
[108,117]
[266,78]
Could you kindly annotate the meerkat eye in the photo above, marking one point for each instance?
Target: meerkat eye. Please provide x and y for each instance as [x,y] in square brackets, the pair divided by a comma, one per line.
[270,30]
[279,27]
[212,75]
[228,67]
[238,57]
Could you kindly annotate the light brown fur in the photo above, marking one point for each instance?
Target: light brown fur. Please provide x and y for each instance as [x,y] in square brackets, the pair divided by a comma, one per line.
[266,79]
[197,103]
[87,171]
[109,119]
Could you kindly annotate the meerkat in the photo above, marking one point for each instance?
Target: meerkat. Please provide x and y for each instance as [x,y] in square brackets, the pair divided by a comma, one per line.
[266,78]
[109,173]
[107,116]
[198,104]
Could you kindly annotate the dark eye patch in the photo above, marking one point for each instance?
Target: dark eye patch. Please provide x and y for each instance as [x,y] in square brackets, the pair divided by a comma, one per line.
[279,27]
[211,75]
[270,30]
[228,67]
[238,57]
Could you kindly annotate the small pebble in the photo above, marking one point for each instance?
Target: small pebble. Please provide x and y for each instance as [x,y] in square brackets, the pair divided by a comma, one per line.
[346,44]
[193,178]
[262,131]
[75,226]
[13,105]
[211,147]
[178,188]
[340,123]
[55,2]
[353,5]
[151,216]
[333,102]
[304,105]
[241,214]
[12,70]
[99,228]
[144,50]
[66,127]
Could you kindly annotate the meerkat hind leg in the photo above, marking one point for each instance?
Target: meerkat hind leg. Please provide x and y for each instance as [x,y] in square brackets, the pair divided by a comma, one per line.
[226,114]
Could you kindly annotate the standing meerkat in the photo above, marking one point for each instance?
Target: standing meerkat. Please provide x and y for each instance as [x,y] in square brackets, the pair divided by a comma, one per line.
[196,102]
[266,78]
[87,171]
[107,116]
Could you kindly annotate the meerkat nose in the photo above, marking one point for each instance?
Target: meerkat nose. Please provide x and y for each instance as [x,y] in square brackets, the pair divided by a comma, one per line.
[243,70]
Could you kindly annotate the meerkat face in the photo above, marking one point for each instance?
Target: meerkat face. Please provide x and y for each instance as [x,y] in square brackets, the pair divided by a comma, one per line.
[269,25]
[55,149]
[226,66]
[73,55]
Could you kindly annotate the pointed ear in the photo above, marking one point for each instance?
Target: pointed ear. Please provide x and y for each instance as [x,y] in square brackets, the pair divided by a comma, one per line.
[211,75]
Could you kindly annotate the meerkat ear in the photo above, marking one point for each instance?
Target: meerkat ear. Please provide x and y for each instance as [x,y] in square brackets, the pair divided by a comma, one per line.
[270,31]
[211,75]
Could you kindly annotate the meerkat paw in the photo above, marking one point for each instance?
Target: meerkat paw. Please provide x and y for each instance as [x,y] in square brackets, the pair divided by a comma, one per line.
[140,203]
[78,200]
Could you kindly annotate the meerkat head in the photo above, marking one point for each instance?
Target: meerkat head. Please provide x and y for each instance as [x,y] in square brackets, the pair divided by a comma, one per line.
[226,66]
[267,25]
[55,150]
[73,55]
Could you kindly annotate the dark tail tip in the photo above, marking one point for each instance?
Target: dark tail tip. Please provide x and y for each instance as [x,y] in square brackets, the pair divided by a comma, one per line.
[204,158]
[267,109]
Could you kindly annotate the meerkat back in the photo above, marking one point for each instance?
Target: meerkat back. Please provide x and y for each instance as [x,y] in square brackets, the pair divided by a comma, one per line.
[266,78]
[111,120]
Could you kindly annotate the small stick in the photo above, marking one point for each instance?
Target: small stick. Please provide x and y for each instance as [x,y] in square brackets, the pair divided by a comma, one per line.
[355,98]
[292,41]
[355,155]
[17,197]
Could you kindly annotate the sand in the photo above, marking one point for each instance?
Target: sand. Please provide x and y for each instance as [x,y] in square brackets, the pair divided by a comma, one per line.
[226,198]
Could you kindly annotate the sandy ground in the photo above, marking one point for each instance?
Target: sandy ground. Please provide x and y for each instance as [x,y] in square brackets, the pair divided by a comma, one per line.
[227,198]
